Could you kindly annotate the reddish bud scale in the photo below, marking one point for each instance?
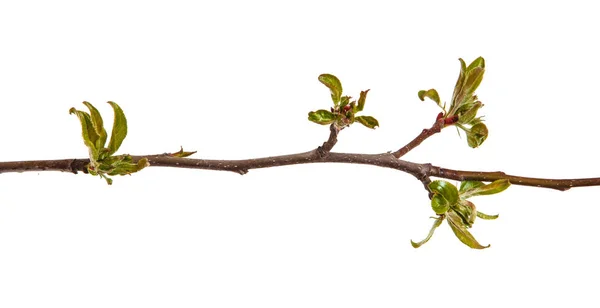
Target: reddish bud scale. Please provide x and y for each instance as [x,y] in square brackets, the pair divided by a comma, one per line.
[451,120]
[439,116]
[347,108]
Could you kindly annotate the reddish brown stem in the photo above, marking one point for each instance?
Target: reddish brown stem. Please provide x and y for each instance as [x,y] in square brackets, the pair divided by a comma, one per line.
[426,133]
[559,184]
[330,143]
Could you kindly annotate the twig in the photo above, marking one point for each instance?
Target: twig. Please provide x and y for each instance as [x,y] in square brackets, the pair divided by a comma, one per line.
[330,143]
[558,184]
[426,133]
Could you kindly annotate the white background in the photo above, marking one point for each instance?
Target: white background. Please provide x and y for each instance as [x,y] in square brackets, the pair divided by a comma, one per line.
[236,80]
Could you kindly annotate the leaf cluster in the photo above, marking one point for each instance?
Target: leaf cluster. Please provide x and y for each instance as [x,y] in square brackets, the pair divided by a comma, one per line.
[465,104]
[102,161]
[451,204]
[343,112]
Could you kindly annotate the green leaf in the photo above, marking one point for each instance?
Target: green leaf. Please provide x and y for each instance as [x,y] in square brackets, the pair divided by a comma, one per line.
[473,81]
[367,121]
[107,166]
[98,125]
[477,63]
[467,212]
[486,216]
[432,94]
[361,101]
[117,165]
[436,223]
[445,189]
[468,81]
[457,96]
[495,187]
[439,204]
[119,130]
[321,116]
[345,100]
[334,85]
[181,153]
[125,166]
[477,135]
[468,116]
[461,231]
[87,132]
[468,185]
[103,154]
[474,77]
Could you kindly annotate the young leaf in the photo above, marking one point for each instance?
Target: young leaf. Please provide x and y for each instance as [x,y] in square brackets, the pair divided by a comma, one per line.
[125,166]
[181,153]
[98,125]
[467,212]
[103,154]
[87,131]
[467,116]
[439,204]
[334,85]
[367,121]
[436,223]
[457,96]
[119,131]
[486,216]
[461,231]
[495,187]
[477,135]
[474,78]
[321,116]
[477,63]
[445,189]
[468,185]
[361,101]
[344,100]
[431,94]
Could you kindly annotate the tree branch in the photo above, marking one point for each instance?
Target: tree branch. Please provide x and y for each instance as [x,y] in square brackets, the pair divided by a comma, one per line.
[386,160]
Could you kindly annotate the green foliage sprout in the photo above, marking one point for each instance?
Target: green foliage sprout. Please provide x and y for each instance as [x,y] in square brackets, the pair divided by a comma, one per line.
[343,112]
[451,204]
[448,202]
[465,104]
[102,162]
